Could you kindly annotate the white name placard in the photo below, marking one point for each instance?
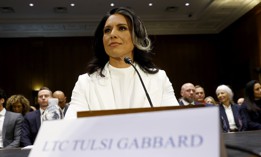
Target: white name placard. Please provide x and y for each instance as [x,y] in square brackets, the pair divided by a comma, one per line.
[180,133]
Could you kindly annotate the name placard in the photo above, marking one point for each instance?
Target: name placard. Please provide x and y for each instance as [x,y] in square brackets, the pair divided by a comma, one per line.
[179,133]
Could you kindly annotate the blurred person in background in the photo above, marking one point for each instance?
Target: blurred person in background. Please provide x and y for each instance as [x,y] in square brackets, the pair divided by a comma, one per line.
[33,120]
[61,100]
[240,101]
[18,103]
[10,125]
[229,111]
[187,93]
[250,110]
[210,100]
[199,97]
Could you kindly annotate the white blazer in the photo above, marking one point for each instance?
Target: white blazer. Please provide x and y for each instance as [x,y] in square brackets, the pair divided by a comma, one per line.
[93,92]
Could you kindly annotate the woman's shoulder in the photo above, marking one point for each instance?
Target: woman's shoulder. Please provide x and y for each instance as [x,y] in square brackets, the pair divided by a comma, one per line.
[160,71]
[14,114]
[86,76]
[161,74]
[90,77]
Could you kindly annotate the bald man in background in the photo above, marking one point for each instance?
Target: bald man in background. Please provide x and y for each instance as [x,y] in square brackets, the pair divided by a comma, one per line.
[187,93]
[61,100]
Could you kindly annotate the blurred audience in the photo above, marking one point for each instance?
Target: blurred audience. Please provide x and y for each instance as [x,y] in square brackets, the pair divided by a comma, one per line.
[20,126]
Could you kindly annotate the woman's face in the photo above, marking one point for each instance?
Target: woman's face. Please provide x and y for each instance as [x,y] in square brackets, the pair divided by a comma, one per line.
[223,97]
[257,90]
[17,107]
[209,101]
[117,39]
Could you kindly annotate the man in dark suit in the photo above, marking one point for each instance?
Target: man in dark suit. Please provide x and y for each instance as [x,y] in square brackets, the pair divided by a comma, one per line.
[33,120]
[10,125]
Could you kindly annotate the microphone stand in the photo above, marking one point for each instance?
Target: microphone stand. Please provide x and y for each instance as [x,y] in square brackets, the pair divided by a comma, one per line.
[129,61]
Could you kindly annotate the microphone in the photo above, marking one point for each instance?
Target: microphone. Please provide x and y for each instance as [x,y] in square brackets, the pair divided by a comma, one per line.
[127,60]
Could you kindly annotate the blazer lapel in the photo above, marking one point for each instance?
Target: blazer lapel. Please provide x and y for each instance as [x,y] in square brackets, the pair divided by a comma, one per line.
[38,120]
[102,94]
[223,117]
[236,117]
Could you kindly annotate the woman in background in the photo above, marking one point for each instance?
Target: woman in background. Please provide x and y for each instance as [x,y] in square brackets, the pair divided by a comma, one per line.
[18,103]
[228,110]
[250,110]
[210,100]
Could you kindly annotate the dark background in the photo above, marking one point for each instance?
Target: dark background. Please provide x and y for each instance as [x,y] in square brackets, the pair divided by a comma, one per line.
[231,57]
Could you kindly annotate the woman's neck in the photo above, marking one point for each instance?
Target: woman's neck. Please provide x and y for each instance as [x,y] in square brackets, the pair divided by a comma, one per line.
[1,107]
[226,103]
[118,63]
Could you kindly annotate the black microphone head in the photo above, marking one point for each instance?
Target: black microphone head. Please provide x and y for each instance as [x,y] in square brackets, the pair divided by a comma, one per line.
[127,60]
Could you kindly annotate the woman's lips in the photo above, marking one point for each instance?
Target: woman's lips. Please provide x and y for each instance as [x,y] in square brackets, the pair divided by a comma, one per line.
[113,44]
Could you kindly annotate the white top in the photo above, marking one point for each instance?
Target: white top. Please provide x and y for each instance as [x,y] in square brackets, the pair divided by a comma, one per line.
[122,85]
[2,118]
[120,88]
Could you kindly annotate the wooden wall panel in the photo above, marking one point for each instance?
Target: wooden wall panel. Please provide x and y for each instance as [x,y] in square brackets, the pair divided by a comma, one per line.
[189,58]
[30,63]
[57,62]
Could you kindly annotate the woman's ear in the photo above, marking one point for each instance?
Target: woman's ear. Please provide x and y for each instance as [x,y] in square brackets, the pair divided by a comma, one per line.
[2,100]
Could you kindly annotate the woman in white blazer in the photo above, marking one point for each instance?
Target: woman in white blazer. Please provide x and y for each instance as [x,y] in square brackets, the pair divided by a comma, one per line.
[110,83]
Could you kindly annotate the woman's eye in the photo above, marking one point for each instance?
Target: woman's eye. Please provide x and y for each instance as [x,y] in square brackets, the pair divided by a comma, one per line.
[123,28]
[107,30]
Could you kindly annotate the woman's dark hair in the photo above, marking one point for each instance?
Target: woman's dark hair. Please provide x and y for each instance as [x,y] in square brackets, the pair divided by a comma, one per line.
[142,44]
[250,97]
